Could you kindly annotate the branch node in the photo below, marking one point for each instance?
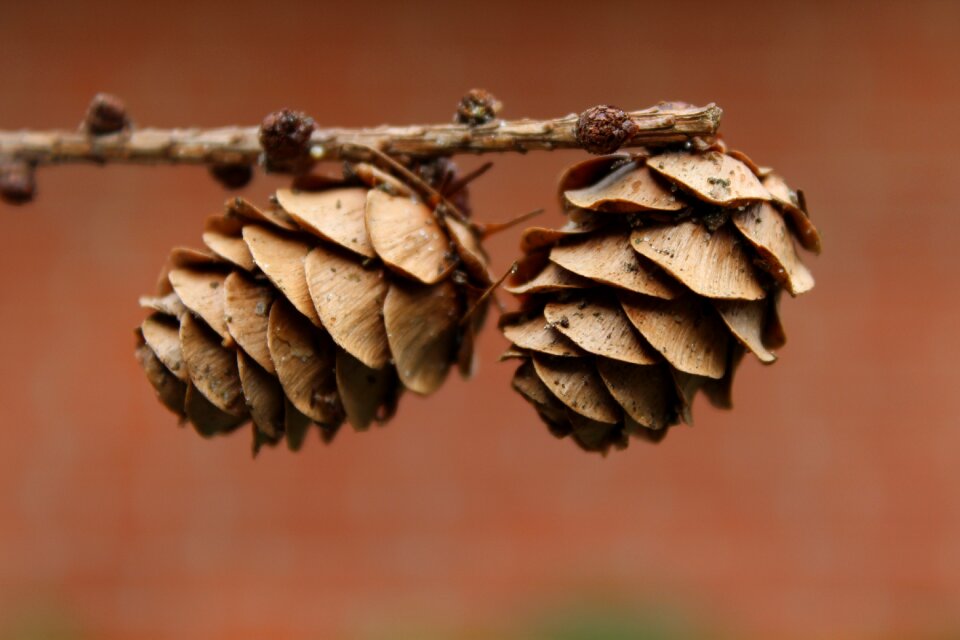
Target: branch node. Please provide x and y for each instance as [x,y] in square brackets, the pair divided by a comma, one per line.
[232,175]
[477,107]
[285,138]
[106,114]
[604,129]
[18,184]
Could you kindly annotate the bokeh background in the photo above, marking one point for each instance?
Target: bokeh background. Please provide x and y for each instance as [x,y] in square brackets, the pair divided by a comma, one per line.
[826,505]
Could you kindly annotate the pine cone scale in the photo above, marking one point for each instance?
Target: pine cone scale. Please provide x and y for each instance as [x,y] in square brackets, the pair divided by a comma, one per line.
[202,293]
[789,203]
[553,277]
[222,237]
[362,390]
[763,227]
[162,335]
[304,360]
[468,246]
[406,236]
[594,435]
[644,392]
[207,419]
[272,218]
[579,388]
[349,299]
[539,237]
[629,189]
[774,335]
[608,258]
[170,390]
[247,311]
[264,399]
[684,331]
[421,325]
[538,334]
[713,265]
[528,384]
[713,177]
[746,321]
[281,259]
[168,305]
[336,215]
[212,367]
[599,327]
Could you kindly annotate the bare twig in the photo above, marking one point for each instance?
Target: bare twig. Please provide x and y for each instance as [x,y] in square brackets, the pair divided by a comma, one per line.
[663,124]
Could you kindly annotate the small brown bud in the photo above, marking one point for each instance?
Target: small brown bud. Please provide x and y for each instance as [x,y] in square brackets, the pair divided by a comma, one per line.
[106,114]
[17,183]
[604,129]
[477,107]
[285,136]
[437,172]
[232,175]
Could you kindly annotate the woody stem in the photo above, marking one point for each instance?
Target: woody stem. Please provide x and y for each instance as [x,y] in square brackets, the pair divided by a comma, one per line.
[663,124]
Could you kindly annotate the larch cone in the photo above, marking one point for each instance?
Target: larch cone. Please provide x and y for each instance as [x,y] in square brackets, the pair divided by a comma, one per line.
[669,269]
[323,307]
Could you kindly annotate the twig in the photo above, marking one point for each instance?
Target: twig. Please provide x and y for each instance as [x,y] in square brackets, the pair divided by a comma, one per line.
[488,229]
[487,293]
[663,124]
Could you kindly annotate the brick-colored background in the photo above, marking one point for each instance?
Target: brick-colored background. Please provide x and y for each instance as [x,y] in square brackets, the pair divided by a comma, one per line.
[826,505]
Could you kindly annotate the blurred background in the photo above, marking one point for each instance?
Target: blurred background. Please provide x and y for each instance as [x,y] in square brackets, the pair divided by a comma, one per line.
[826,505]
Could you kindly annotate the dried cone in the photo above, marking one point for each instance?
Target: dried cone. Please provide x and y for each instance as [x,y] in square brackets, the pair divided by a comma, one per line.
[321,308]
[669,269]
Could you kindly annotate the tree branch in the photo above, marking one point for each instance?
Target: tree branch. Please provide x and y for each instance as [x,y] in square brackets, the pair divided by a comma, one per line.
[663,124]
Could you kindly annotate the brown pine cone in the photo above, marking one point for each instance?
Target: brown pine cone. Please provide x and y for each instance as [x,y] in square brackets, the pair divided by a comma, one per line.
[669,269]
[321,308]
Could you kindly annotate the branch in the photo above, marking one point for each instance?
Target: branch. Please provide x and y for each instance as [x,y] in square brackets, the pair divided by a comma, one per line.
[663,124]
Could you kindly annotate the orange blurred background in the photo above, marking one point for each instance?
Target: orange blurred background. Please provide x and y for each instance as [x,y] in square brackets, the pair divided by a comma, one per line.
[826,505]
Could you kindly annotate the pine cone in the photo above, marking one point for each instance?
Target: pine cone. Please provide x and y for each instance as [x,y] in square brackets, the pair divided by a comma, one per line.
[669,269]
[323,307]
